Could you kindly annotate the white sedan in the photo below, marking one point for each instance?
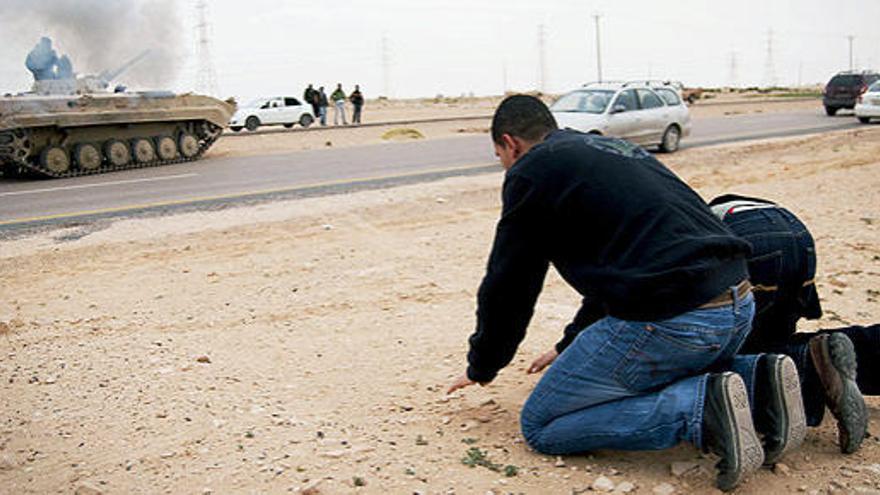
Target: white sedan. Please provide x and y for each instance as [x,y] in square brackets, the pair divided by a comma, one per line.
[279,110]
[868,105]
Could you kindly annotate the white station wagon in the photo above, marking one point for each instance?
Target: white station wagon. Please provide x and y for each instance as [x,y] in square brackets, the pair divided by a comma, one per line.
[279,110]
[646,113]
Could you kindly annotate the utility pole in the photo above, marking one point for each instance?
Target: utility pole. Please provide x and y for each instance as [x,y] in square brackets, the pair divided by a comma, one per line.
[386,66]
[542,59]
[851,38]
[598,48]
[206,77]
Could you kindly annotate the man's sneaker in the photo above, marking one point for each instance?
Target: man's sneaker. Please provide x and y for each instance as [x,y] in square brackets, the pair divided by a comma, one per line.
[835,360]
[779,407]
[728,430]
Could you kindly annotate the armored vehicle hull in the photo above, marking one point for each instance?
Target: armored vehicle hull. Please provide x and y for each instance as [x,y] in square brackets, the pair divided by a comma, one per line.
[71,135]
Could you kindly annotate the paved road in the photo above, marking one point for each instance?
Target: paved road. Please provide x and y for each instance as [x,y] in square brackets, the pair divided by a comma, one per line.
[220,181]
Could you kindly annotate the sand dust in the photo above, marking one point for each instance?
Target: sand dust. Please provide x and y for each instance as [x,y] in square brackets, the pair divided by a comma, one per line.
[306,345]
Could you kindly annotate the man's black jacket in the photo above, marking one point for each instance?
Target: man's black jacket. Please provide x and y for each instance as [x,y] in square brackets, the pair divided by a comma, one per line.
[618,226]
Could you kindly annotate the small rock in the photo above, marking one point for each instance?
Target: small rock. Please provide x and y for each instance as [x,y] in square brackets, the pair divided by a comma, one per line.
[327,226]
[625,487]
[7,462]
[441,200]
[781,469]
[88,489]
[664,489]
[679,469]
[166,455]
[602,484]
[334,454]
[203,359]
[559,462]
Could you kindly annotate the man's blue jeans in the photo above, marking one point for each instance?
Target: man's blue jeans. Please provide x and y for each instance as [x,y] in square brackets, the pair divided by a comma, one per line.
[629,385]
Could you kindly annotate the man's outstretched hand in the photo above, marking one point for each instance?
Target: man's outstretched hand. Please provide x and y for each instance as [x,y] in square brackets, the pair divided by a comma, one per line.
[543,361]
[462,382]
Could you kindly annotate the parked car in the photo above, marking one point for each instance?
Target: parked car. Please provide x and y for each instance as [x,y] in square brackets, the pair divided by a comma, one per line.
[844,88]
[280,110]
[868,104]
[642,112]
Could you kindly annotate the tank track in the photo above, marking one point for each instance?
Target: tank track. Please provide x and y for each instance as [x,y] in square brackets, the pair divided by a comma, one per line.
[11,156]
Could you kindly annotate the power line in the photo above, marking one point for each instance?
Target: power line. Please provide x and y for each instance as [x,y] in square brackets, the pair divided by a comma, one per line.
[769,64]
[542,59]
[733,77]
[386,66]
[598,49]
[206,76]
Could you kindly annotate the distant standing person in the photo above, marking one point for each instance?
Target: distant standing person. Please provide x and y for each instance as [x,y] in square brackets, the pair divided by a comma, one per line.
[322,105]
[338,98]
[309,97]
[357,101]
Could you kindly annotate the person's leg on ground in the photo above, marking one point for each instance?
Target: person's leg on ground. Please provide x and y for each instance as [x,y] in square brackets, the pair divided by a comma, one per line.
[611,389]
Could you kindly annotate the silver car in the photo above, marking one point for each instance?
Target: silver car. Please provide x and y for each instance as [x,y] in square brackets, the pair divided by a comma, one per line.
[642,112]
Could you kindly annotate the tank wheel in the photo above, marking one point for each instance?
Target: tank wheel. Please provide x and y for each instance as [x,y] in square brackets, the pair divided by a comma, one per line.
[87,156]
[306,120]
[166,148]
[143,150]
[189,145]
[252,123]
[117,153]
[55,159]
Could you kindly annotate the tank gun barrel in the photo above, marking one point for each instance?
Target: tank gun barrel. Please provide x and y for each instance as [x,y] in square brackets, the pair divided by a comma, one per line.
[108,75]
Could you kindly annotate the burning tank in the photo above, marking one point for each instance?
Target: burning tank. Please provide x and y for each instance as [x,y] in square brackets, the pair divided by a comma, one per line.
[70,125]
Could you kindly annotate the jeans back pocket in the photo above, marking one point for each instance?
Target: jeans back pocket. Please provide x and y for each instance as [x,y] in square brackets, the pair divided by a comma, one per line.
[666,352]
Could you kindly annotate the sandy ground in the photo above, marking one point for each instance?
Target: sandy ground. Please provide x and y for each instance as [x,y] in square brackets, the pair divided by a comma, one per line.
[305,346]
[245,143]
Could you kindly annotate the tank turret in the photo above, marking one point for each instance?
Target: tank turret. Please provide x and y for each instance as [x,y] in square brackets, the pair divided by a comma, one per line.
[54,75]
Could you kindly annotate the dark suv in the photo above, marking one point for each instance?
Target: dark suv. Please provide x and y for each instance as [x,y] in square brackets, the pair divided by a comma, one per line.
[844,88]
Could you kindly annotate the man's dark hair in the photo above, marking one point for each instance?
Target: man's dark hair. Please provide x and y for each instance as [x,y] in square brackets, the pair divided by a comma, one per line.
[522,116]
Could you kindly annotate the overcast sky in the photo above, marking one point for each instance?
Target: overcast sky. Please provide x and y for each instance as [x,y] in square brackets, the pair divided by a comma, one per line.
[454,47]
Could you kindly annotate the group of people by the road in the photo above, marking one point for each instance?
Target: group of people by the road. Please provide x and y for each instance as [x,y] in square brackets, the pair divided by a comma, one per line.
[317,98]
[687,329]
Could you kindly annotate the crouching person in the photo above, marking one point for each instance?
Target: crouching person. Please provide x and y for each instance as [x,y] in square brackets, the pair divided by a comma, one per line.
[667,304]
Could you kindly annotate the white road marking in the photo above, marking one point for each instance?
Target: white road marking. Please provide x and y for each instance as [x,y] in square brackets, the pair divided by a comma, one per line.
[100,184]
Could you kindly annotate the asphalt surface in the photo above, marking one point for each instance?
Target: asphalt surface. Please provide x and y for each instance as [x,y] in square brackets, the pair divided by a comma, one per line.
[219,182]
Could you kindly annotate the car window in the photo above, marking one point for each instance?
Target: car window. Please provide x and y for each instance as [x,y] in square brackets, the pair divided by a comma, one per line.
[669,96]
[875,86]
[628,100]
[649,99]
[845,80]
[592,101]
[291,102]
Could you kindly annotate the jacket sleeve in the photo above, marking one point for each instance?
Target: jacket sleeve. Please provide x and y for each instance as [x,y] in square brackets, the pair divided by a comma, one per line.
[591,311]
[514,278]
